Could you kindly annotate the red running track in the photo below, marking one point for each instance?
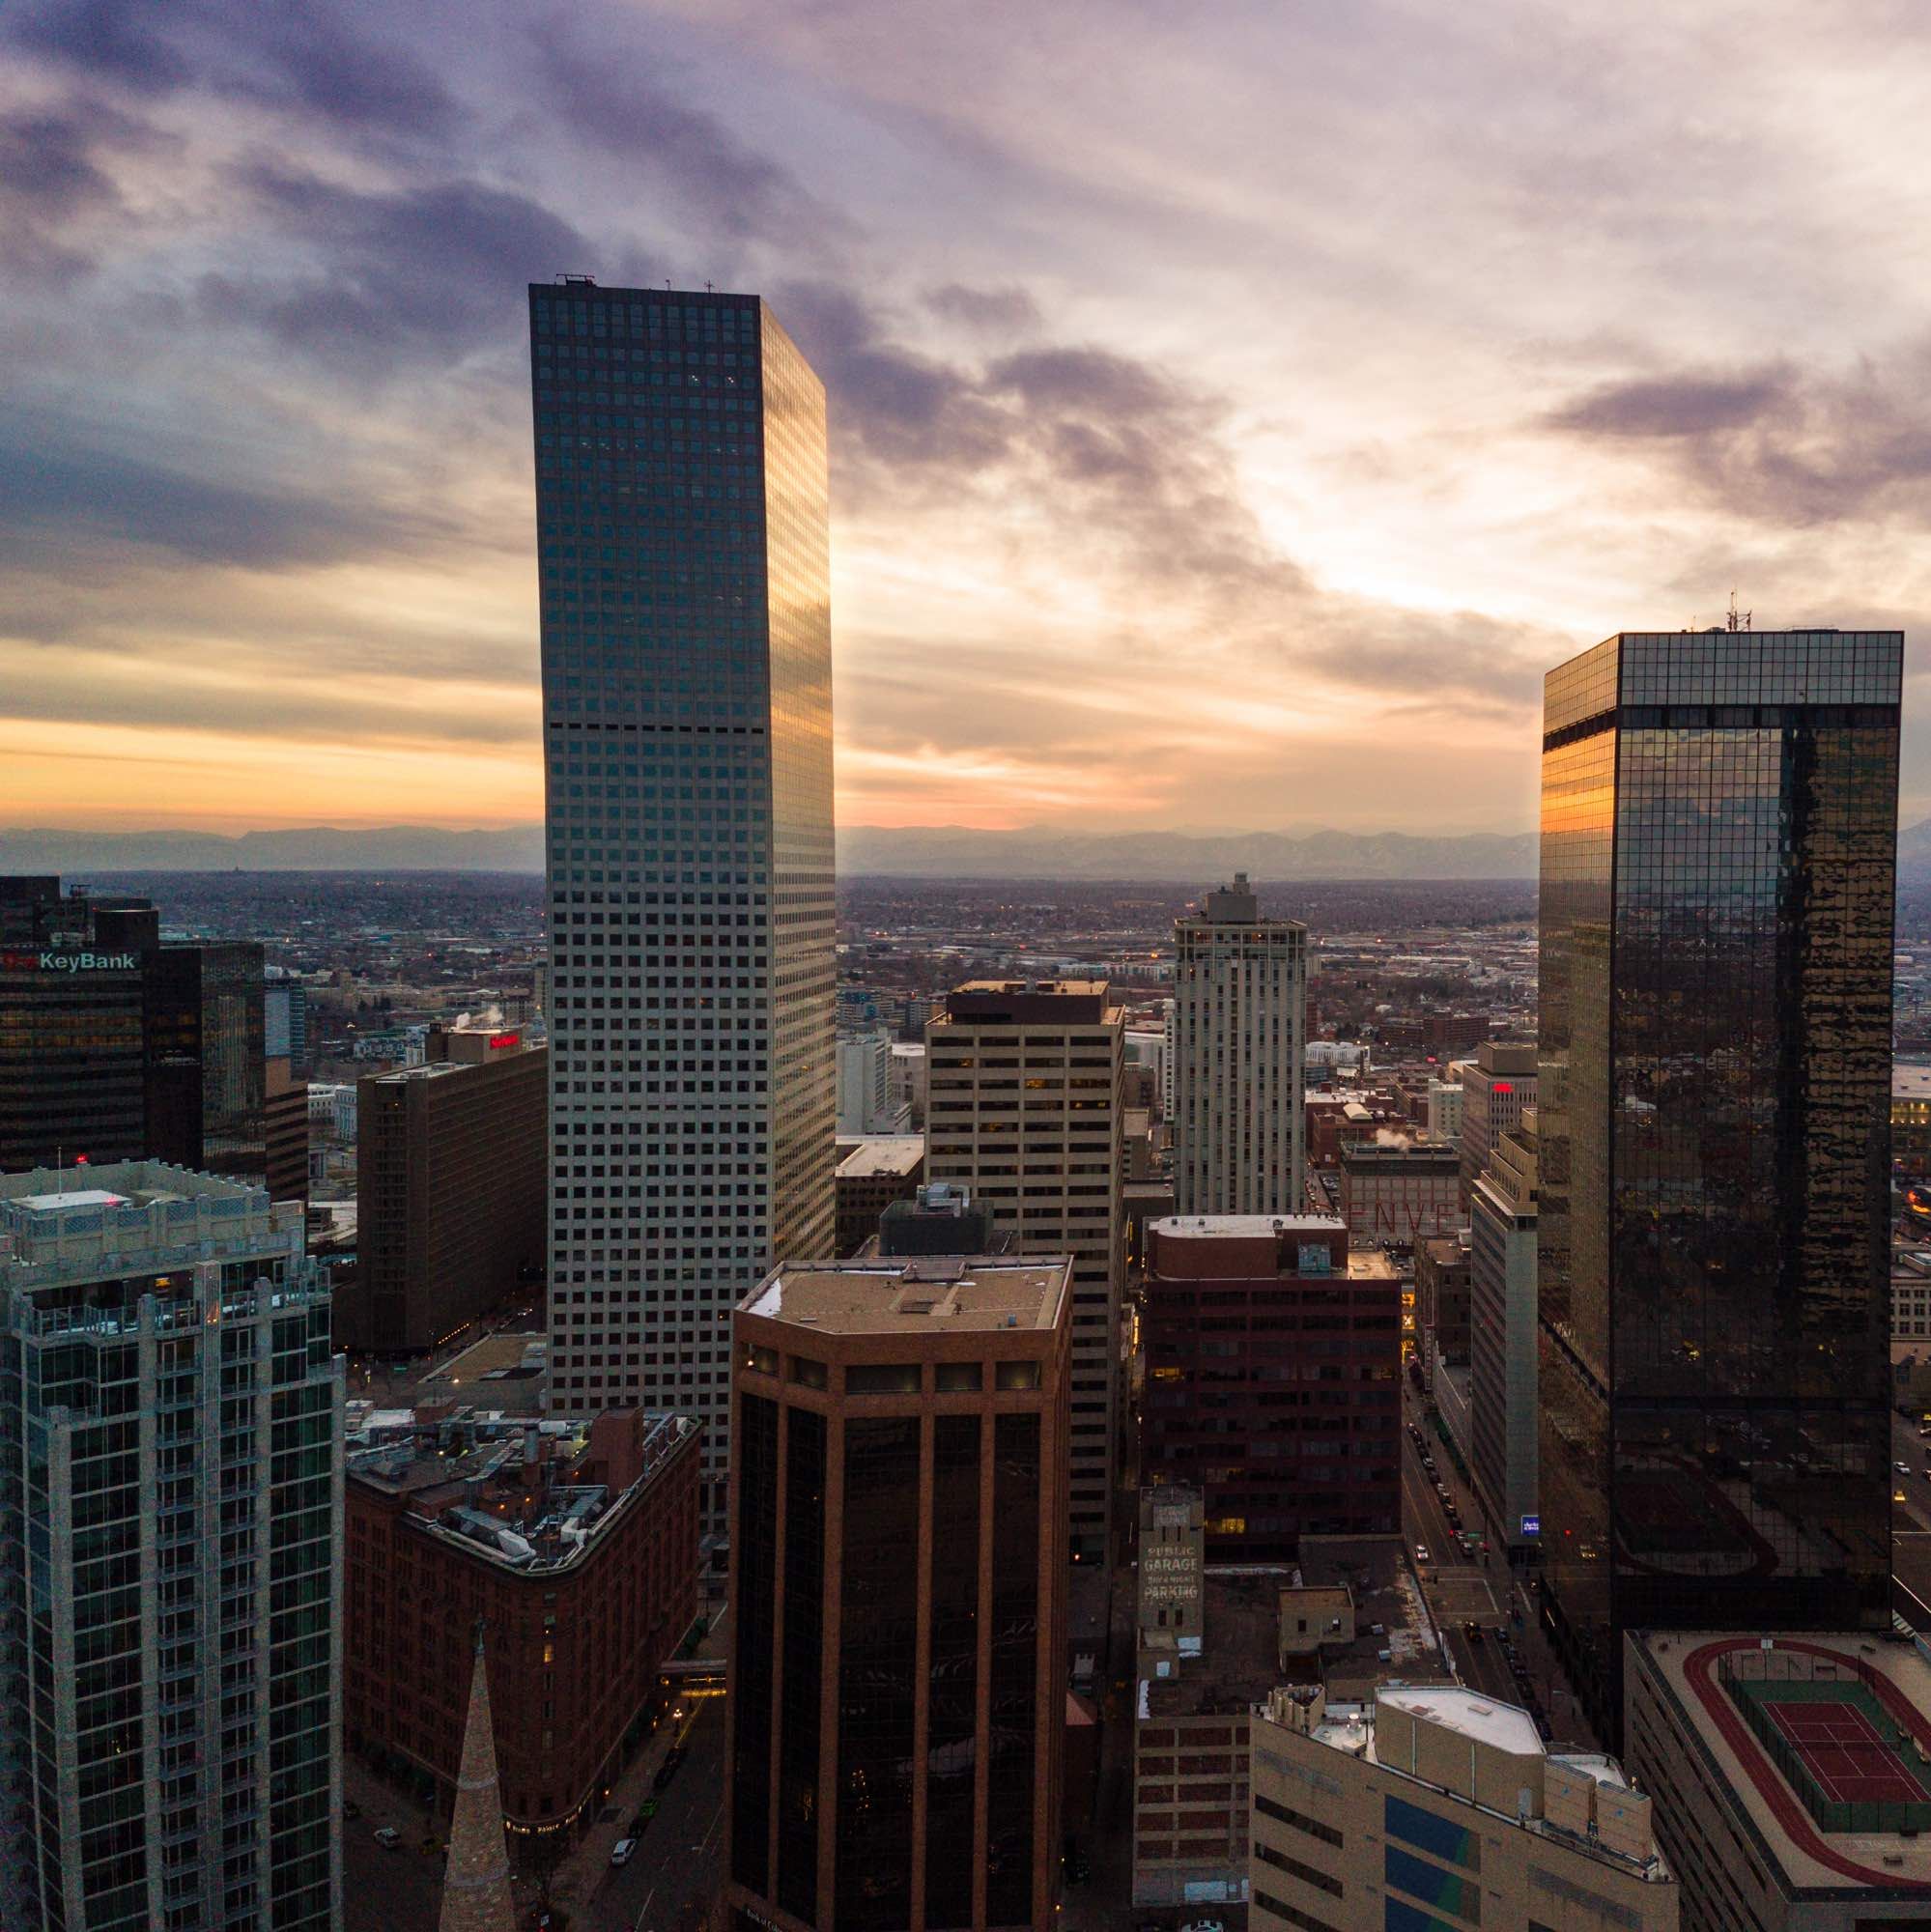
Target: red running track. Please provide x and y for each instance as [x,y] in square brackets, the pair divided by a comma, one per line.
[1699,1672]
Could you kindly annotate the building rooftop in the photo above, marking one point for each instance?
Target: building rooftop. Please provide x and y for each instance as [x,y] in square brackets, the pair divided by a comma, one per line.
[67,1225]
[1789,1814]
[867,1295]
[1469,1713]
[1247,1227]
[1910,1083]
[1399,1150]
[882,1156]
[1580,1798]
[1028,1002]
[1239,1659]
[525,1494]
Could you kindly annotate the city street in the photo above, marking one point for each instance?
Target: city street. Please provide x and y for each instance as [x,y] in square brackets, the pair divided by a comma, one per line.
[1460,1592]
[680,1859]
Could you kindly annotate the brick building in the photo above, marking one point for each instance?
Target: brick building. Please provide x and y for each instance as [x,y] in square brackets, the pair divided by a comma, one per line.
[449,1185]
[1400,1191]
[576,1545]
[873,1171]
[1272,1363]
[1442,1290]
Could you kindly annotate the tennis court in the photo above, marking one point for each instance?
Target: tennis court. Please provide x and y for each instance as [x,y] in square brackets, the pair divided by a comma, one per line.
[1827,1727]
[1851,1761]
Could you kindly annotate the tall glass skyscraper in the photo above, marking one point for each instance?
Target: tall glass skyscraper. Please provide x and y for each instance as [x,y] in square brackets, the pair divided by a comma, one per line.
[1718,857]
[682,534]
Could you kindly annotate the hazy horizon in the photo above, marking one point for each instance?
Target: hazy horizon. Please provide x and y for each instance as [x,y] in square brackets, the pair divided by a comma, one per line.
[1226,427]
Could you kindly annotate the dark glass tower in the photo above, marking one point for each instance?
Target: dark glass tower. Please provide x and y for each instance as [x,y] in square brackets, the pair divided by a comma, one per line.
[681,505]
[1718,857]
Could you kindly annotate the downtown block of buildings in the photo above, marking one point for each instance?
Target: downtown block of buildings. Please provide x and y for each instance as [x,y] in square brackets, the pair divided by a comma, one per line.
[1650,1254]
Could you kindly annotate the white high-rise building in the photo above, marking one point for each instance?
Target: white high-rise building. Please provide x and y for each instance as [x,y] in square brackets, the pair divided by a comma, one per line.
[865,1101]
[1239,1026]
[682,534]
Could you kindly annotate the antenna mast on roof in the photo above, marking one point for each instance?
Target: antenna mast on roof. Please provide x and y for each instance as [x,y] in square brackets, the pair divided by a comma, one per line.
[1739,620]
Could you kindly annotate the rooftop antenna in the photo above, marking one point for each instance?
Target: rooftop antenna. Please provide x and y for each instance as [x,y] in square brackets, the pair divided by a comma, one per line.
[1739,620]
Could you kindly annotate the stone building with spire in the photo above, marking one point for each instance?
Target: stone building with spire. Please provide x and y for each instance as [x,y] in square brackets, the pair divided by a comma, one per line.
[476,1879]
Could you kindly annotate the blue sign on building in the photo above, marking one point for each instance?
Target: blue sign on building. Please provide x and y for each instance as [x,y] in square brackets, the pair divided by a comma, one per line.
[1531,1525]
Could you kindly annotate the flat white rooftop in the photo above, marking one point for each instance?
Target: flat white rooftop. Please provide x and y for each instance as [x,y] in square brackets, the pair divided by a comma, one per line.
[1248,1227]
[72,1198]
[1469,1715]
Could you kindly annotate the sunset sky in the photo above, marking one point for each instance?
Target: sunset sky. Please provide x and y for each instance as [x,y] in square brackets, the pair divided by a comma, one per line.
[1235,408]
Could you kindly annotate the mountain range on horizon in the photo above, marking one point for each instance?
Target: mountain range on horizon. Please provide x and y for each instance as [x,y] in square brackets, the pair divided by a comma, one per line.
[911,851]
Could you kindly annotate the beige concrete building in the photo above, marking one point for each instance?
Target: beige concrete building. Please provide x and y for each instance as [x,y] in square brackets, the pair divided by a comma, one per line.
[1239,1030]
[1773,1823]
[1431,1808]
[1497,1085]
[1024,1110]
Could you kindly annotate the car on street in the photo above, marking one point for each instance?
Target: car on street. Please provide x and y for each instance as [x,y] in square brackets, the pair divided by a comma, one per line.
[1472,1630]
[623,1851]
[387,1837]
[1421,1553]
[1902,1469]
[667,1770]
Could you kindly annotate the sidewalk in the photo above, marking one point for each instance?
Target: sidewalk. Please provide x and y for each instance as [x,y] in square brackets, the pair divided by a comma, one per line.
[587,1864]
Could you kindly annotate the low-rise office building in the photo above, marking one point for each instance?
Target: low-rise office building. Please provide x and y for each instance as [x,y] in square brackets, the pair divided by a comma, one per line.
[1400,1191]
[1429,1807]
[873,1171]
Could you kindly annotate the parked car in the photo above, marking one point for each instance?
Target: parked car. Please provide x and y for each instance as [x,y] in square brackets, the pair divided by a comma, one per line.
[1421,1553]
[387,1837]
[623,1851]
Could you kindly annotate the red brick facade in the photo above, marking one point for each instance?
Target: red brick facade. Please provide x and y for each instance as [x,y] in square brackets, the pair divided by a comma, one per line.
[574,1647]
[1272,1358]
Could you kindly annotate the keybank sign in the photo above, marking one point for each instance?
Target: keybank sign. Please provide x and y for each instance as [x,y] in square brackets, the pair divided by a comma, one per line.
[69,962]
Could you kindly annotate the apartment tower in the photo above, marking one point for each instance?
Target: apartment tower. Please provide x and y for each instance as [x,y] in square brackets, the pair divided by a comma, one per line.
[687,703]
[1718,857]
[170,1537]
[1239,1037]
[898,1689]
[1024,1112]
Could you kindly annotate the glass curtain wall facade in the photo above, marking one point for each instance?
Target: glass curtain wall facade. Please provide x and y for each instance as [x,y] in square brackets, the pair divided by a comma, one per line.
[682,535]
[1718,856]
[170,1517]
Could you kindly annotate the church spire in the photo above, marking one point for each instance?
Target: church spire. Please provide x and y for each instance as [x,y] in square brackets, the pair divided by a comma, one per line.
[476,1879]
